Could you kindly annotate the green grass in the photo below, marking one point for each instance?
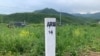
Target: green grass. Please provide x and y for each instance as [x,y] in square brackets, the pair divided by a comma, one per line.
[29,41]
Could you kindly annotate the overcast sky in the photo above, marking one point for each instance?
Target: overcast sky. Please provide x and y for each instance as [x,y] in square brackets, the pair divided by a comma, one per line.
[68,6]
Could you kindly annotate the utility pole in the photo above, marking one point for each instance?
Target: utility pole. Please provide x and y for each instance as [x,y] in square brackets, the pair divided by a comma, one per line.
[60,18]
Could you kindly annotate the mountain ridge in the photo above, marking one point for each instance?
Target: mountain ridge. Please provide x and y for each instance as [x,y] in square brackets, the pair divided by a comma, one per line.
[39,15]
[93,16]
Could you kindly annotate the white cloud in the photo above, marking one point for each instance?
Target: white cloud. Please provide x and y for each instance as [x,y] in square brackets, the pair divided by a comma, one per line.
[71,6]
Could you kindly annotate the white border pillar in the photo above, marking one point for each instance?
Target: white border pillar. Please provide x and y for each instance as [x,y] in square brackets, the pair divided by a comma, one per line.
[50,36]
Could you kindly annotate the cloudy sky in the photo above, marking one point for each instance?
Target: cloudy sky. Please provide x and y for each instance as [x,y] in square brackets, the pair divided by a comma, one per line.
[68,6]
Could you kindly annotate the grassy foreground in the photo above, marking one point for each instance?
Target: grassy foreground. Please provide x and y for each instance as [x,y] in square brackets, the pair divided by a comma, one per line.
[74,40]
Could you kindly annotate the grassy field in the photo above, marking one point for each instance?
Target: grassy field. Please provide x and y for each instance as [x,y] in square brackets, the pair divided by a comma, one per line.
[74,40]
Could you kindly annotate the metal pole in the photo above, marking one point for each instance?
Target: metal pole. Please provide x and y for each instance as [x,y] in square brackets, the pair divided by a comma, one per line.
[60,18]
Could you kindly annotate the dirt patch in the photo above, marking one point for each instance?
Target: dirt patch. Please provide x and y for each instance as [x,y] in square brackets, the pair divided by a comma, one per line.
[94,54]
[90,53]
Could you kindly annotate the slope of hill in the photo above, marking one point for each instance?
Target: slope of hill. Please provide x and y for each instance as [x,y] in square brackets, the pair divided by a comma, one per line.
[93,16]
[51,11]
[39,15]
[47,11]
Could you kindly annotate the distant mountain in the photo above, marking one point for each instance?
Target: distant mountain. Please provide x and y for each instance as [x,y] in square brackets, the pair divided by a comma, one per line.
[93,16]
[69,17]
[39,15]
[51,11]
[47,11]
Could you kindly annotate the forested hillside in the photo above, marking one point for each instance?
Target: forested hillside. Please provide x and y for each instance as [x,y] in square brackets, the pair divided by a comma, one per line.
[39,15]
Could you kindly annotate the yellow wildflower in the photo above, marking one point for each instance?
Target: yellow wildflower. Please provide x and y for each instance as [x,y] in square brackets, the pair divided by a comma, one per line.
[77,32]
[24,33]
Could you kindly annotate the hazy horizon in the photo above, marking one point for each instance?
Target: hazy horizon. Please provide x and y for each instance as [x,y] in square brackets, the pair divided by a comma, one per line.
[67,6]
